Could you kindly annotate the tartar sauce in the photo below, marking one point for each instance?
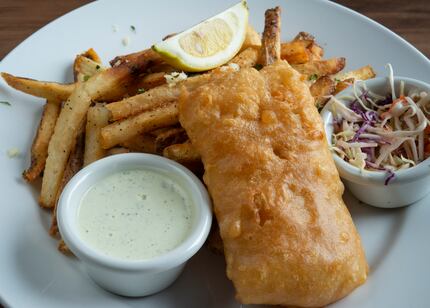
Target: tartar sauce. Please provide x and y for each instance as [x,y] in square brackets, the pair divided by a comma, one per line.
[135,214]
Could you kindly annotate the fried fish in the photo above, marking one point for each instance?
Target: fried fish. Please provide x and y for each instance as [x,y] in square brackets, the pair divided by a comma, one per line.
[288,236]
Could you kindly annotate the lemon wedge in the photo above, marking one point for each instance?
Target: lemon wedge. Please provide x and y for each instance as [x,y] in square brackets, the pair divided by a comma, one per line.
[209,44]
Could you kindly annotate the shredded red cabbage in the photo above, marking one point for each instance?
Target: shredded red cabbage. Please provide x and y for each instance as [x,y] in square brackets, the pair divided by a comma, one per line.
[390,176]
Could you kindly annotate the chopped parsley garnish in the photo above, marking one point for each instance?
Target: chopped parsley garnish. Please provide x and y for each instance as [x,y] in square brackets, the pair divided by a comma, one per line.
[97,67]
[141,90]
[313,77]
[86,77]
[337,79]
[5,103]
[133,28]
[258,66]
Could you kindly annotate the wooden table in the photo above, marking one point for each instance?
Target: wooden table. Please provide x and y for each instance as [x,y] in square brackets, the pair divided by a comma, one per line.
[410,19]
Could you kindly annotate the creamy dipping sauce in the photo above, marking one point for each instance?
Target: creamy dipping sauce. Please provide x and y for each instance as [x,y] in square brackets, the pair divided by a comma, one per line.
[135,214]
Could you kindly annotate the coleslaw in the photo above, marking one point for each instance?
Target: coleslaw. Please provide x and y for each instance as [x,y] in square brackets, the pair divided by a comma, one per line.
[381,132]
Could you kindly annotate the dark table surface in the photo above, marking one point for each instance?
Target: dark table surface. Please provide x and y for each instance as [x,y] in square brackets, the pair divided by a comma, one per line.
[410,19]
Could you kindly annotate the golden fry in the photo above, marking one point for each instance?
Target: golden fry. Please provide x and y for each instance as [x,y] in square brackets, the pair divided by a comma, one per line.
[182,153]
[39,148]
[271,43]
[92,55]
[321,67]
[124,130]
[247,57]
[146,101]
[144,143]
[343,84]
[168,137]
[151,80]
[84,68]
[117,150]
[304,36]
[111,81]
[62,247]
[321,88]
[252,39]
[296,52]
[97,118]
[74,164]
[363,73]
[157,132]
[53,91]
[168,94]
[317,52]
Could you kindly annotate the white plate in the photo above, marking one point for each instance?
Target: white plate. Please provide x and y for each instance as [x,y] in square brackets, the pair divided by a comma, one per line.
[33,273]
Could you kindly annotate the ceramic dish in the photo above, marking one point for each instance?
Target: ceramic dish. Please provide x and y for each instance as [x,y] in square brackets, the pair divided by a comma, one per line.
[134,277]
[34,273]
[408,186]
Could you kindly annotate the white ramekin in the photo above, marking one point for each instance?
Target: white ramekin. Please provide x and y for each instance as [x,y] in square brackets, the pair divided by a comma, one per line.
[408,186]
[131,277]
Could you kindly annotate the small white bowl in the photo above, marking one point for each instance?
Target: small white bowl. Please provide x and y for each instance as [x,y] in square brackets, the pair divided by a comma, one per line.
[133,277]
[408,186]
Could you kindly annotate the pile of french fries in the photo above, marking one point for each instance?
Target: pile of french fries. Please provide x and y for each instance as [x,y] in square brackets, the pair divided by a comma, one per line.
[129,107]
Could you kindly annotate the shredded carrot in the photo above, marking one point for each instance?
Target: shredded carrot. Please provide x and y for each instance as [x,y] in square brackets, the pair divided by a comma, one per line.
[393,104]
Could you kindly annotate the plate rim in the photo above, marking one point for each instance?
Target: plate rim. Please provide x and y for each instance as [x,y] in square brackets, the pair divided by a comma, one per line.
[4,61]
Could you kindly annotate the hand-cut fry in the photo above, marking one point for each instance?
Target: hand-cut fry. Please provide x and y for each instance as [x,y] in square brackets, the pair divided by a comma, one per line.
[113,80]
[148,100]
[97,118]
[84,68]
[74,164]
[363,73]
[343,84]
[157,132]
[161,68]
[316,51]
[168,137]
[252,39]
[53,91]
[92,55]
[296,52]
[144,143]
[152,58]
[271,43]
[152,98]
[56,92]
[321,68]
[39,149]
[182,153]
[121,131]
[62,247]
[321,88]
[150,81]
[247,57]
[302,35]
[117,150]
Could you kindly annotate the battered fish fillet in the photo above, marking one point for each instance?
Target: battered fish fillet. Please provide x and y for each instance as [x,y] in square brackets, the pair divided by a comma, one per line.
[288,237]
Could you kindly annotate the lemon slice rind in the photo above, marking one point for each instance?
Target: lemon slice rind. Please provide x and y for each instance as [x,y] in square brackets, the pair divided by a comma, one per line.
[231,26]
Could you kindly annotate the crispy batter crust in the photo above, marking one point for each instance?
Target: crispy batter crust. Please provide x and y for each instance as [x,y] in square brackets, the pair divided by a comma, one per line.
[288,237]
